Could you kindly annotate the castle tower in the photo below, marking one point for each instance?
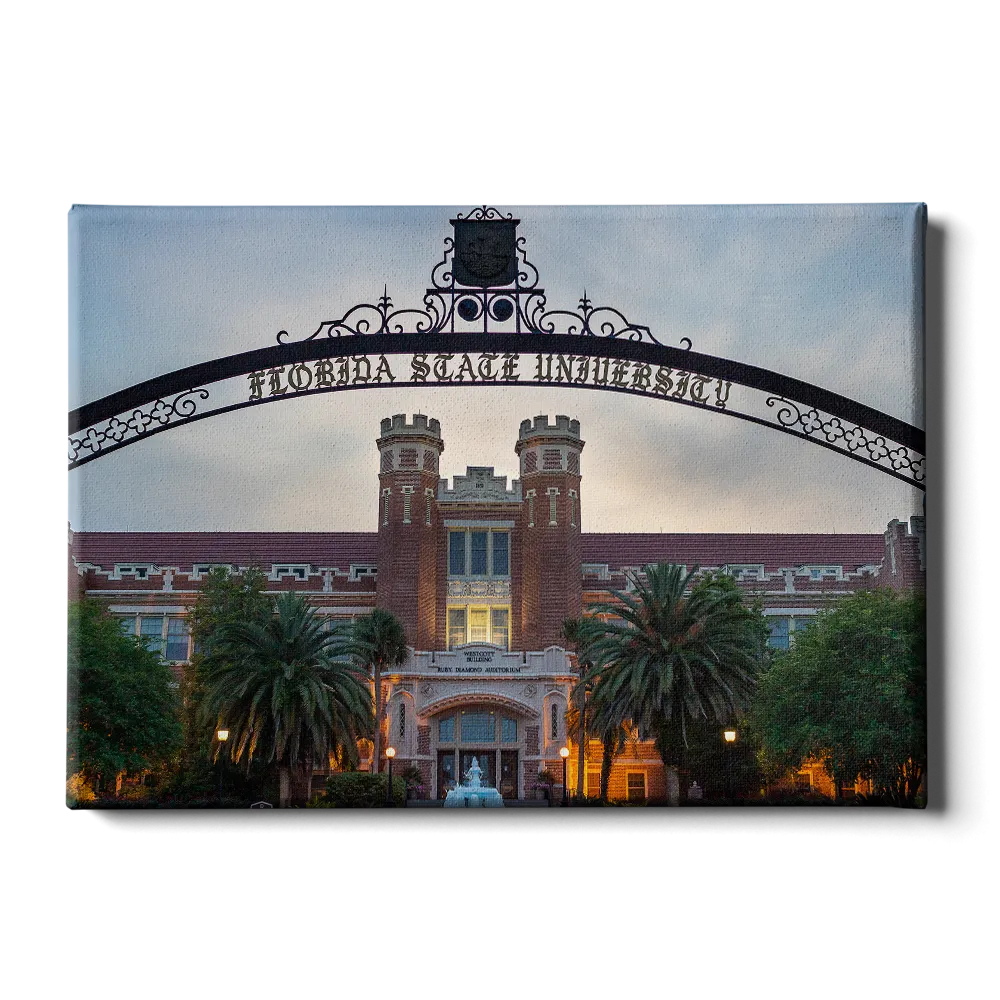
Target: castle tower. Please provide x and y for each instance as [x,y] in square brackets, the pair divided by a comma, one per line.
[409,454]
[552,585]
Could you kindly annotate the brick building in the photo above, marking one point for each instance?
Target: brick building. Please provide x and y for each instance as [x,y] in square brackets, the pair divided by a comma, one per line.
[482,575]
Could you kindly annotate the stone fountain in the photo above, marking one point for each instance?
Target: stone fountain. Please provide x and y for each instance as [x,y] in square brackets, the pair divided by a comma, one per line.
[472,792]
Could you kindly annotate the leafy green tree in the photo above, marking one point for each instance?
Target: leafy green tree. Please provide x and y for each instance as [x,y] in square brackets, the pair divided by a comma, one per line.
[377,643]
[286,694]
[673,649]
[852,691]
[224,599]
[122,717]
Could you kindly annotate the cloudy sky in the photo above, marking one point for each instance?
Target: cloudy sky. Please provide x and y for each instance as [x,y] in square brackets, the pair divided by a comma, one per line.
[826,294]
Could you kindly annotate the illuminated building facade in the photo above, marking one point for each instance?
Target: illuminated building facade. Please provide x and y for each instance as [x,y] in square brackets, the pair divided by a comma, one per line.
[482,574]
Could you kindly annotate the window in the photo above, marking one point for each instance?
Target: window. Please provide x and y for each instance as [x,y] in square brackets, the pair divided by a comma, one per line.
[799,624]
[635,789]
[151,630]
[554,721]
[479,553]
[177,639]
[402,720]
[501,553]
[169,638]
[508,730]
[572,507]
[778,638]
[803,781]
[479,561]
[500,622]
[531,508]
[446,730]
[825,572]
[479,727]
[429,497]
[456,627]
[478,624]
[139,572]
[553,493]
[593,783]
[295,572]
[385,505]
[407,492]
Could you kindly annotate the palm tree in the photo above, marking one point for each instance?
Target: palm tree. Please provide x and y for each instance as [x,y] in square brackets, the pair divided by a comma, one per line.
[671,649]
[282,691]
[377,642]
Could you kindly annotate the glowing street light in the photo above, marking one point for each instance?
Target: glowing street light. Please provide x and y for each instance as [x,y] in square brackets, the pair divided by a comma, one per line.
[390,752]
[222,735]
[730,737]
[564,753]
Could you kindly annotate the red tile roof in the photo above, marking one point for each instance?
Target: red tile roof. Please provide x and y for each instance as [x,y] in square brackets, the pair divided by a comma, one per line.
[772,550]
[244,548]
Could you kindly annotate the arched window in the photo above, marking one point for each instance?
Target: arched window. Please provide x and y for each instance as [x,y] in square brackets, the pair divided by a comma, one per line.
[402,721]
[555,721]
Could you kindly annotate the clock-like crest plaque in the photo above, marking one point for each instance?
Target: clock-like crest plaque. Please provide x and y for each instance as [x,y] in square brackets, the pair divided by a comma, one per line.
[485,251]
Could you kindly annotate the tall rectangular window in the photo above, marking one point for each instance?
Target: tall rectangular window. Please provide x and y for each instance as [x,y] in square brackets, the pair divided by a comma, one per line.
[402,720]
[508,730]
[478,561]
[456,627]
[177,639]
[778,638]
[456,553]
[127,625]
[407,492]
[501,627]
[151,630]
[429,497]
[636,787]
[479,625]
[501,553]
[446,730]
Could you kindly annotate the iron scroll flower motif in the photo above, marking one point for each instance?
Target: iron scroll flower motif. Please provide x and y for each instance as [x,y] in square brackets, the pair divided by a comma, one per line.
[520,306]
[852,438]
[122,429]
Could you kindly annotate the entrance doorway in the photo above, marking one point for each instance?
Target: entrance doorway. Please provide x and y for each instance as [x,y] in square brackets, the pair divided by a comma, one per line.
[508,774]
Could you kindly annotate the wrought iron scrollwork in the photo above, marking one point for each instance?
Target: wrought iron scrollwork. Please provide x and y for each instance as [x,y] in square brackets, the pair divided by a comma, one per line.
[124,428]
[849,437]
[517,307]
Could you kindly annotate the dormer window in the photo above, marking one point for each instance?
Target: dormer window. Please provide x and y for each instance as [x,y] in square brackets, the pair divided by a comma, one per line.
[295,572]
[203,569]
[746,571]
[823,572]
[139,572]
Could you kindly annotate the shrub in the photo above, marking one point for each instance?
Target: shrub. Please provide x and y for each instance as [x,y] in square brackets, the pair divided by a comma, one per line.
[360,790]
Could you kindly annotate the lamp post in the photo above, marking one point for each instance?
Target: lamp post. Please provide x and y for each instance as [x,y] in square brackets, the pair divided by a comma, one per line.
[390,752]
[222,735]
[730,737]
[564,753]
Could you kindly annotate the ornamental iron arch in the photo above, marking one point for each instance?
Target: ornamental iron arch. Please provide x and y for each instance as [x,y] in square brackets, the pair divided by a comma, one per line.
[485,321]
